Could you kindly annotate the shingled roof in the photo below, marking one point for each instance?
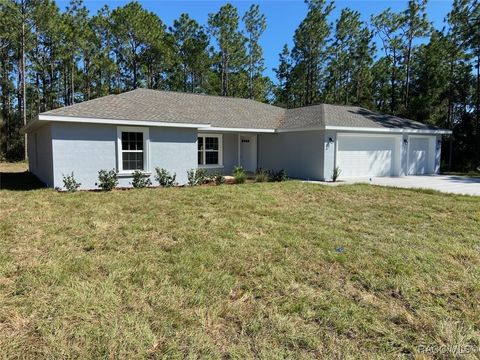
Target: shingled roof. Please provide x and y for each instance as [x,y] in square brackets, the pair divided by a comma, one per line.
[227,112]
[326,115]
[177,107]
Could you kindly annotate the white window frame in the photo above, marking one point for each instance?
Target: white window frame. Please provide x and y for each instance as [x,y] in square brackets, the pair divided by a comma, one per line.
[146,148]
[220,151]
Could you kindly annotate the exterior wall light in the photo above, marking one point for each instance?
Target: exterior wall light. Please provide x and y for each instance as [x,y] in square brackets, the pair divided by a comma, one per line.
[405,142]
[330,140]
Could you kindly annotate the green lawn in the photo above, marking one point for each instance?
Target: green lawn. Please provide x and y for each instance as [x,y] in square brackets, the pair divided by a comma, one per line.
[271,270]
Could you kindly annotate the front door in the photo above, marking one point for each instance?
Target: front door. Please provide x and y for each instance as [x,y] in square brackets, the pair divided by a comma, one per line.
[248,152]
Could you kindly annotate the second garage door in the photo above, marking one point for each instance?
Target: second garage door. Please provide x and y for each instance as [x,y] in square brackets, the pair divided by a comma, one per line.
[418,156]
[366,155]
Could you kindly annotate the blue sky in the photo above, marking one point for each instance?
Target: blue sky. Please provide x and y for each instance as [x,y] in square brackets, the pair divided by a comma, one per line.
[283,16]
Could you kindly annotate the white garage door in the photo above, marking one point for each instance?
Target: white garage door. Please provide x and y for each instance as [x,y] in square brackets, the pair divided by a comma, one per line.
[366,155]
[418,156]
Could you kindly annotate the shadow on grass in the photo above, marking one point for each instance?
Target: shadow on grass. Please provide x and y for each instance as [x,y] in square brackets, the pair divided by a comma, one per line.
[19,181]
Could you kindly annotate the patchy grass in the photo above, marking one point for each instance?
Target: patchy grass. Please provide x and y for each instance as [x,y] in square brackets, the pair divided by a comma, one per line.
[270,270]
[13,167]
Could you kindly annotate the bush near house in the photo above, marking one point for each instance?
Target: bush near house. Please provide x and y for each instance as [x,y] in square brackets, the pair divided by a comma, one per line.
[336,173]
[140,180]
[277,176]
[107,179]
[196,177]
[239,175]
[164,178]
[261,175]
[219,179]
[70,184]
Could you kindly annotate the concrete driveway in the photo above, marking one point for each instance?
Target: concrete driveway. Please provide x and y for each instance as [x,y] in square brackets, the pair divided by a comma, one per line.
[444,183]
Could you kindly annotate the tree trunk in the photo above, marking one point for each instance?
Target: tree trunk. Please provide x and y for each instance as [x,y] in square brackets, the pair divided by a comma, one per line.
[392,81]
[22,104]
[477,117]
[66,98]
[134,82]
[72,79]
[5,101]
[450,138]
[407,82]
[86,66]
[51,99]
[185,78]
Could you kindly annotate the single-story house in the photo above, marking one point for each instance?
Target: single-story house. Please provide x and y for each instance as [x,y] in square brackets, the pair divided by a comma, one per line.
[144,129]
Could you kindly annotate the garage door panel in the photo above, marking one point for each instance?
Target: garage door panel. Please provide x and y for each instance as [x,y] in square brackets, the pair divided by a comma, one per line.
[418,156]
[366,156]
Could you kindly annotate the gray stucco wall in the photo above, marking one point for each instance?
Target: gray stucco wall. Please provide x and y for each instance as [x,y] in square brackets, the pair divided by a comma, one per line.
[329,146]
[438,154]
[40,154]
[299,153]
[87,148]
[230,152]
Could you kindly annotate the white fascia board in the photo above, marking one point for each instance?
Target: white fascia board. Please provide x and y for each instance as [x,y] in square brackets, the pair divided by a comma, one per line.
[389,130]
[315,128]
[243,130]
[367,129]
[72,119]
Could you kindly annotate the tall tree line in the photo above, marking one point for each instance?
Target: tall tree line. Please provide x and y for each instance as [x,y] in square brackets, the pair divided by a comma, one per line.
[413,70]
[51,58]
[394,62]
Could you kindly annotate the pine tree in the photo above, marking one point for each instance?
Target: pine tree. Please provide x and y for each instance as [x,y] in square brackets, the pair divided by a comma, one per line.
[310,51]
[193,61]
[351,55]
[104,66]
[7,53]
[464,22]
[231,57]
[255,24]
[75,23]
[414,24]
[282,92]
[135,32]
[388,27]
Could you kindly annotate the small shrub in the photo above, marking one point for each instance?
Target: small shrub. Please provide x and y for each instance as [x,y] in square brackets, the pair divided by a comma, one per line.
[140,180]
[201,176]
[261,175]
[219,179]
[107,180]
[336,173]
[238,169]
[70,183]
[191,177]
[196,177]
[277,176]
[164,178]
[239,175]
